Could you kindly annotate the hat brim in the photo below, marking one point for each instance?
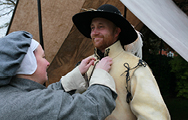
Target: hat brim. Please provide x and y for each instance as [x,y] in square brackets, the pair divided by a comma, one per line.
[83,22]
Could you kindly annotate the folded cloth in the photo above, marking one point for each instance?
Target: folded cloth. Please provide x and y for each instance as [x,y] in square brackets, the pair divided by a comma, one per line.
[13,48]
[29,62]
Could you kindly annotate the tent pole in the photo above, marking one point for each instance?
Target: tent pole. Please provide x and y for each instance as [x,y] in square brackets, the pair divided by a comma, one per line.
[125,11]
[40,26]
[40,23]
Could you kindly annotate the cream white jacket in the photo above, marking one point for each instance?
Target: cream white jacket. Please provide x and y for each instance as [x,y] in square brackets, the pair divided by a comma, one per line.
[147,102]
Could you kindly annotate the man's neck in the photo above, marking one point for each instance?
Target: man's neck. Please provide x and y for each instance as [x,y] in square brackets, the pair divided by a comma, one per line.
[112,50]
[100,53]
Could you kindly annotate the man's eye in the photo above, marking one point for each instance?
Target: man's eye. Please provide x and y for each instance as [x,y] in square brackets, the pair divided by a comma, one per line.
[100,26]
[92,28]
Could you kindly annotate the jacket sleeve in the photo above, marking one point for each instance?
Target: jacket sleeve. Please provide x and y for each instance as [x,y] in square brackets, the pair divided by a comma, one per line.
[147,102]
[74,80]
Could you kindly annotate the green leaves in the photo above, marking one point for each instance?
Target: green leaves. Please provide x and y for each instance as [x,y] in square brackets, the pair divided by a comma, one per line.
[180,69]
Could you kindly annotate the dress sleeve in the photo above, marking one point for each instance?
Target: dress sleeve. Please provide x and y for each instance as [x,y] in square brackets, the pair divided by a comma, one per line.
[147,102]
[95,104]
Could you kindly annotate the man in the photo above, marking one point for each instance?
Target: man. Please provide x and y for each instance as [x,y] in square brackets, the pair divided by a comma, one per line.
[138,93]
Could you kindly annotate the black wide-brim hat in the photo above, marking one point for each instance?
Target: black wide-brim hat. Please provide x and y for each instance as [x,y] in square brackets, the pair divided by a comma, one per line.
[83,21]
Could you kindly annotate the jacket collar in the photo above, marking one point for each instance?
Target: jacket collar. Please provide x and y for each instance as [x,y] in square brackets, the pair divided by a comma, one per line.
[112,51]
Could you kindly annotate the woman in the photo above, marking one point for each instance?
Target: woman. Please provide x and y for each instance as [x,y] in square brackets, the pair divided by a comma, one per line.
[23,96]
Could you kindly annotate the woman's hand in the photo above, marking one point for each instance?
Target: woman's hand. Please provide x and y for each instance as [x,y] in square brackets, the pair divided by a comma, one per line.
[85,64]
[105,63]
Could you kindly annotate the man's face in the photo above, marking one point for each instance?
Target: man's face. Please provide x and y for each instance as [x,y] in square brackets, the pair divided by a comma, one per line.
[103,33]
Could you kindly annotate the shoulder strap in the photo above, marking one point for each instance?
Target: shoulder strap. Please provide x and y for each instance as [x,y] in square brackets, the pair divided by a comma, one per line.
[126,65]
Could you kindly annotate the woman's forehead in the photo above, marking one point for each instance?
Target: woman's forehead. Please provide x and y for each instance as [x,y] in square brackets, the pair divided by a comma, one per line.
[40,49]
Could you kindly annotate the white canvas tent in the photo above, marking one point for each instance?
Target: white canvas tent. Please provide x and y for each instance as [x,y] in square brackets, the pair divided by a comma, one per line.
[165,19]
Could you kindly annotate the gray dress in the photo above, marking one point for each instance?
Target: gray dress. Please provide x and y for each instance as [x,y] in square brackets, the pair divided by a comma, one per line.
[24,99]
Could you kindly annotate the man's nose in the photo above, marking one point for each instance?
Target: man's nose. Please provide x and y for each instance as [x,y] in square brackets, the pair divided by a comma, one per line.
[95,31]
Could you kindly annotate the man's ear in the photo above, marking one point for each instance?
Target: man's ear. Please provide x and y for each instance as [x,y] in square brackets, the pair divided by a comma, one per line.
[117,31]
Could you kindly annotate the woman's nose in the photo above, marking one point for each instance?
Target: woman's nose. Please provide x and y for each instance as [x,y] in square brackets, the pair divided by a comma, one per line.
[48,64]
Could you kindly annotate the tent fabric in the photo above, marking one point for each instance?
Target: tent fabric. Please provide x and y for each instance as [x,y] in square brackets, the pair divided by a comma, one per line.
[165,19]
